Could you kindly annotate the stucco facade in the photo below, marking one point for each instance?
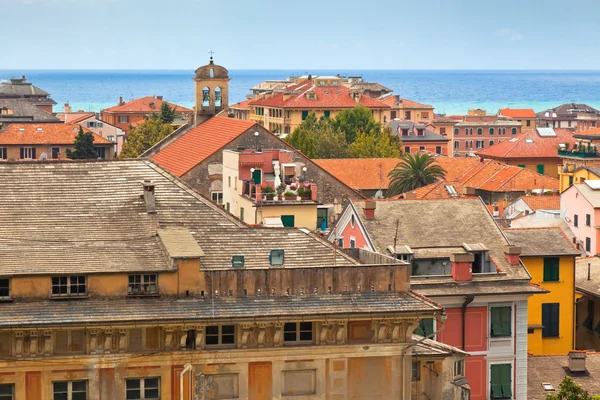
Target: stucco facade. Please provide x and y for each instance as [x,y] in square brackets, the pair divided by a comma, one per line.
[582,217]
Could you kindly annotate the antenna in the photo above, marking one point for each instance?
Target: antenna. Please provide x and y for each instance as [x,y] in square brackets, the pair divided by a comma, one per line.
[396,236]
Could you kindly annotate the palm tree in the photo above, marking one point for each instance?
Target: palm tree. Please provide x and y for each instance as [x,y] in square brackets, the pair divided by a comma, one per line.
[414,171]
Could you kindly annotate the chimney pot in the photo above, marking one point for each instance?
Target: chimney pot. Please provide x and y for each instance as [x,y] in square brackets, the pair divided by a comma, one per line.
[462,266]
[369,210]
[513,254]
[577,361]
[159,97]
[148,194]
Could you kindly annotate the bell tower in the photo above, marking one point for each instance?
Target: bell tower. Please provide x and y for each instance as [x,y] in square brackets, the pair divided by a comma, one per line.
[212,91]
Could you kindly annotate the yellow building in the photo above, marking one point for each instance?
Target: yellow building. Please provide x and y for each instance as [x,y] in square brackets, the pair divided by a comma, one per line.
[121,282]
[526,116]
[324,96]
[407,110]
[580,160]
[549,258]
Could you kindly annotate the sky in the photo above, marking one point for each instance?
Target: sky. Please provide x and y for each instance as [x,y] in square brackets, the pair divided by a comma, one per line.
[308,34]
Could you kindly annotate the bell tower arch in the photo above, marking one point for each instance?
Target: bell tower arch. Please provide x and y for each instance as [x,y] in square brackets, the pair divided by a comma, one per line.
[211,91]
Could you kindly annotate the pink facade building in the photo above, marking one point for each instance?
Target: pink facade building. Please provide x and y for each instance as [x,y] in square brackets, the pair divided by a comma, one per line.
[581,205]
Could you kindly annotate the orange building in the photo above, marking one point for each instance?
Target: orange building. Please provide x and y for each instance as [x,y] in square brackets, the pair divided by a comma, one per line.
[526,116]
[418,137]
[45,141]
[407,110]
[127,114]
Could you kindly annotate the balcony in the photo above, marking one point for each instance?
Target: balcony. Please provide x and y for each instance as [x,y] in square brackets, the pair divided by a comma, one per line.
[300,193]
[591,153]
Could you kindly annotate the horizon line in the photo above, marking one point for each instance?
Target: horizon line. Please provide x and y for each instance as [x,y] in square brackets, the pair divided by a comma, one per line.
[308,69]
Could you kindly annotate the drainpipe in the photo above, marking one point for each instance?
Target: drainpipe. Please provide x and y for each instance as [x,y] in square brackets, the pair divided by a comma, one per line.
[443,317]
[468,300]
[186,368]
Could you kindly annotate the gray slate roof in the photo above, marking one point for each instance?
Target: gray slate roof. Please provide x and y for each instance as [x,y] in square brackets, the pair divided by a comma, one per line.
[541,242]
[433,348]
[21,88]
[442,224]
[89,217]
[24,111]
[553,369]
[153,310]
[582,283]
[569,110]
[429,135]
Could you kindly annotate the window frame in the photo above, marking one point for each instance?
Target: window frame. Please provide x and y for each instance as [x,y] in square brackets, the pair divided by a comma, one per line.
[28,153]
[275,255]
[142,387]
[12,389]
[219,197]
[503,386]
[3,153]
[123,119]
[575,219]
[459,368]
[69,285]
[219,336]
[588,220]
[300,327]
[552,331]
[70,391]
[415,372]
[551,276]
[502,322]
[588,244]
[141,284]
[8,287]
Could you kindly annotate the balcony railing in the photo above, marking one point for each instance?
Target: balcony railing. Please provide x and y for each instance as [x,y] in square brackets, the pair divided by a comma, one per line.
[578,154]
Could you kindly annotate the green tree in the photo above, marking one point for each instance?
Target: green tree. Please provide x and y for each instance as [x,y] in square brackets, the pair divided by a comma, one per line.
[569,390]
[414,171]
[144,136]
[355,120]
[373,145]
[83,148]
[167,114]
[331,143]
[304,137]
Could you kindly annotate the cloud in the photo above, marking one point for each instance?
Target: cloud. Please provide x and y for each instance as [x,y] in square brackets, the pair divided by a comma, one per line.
[509,34]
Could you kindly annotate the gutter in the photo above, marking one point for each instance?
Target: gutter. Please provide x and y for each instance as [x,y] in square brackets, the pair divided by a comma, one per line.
[468,300]
[187,368]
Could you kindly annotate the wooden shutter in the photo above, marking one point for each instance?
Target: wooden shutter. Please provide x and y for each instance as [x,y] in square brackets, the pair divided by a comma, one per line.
[506,321]
[496,391]
[551,269]
[22,153]
[288,220]
[506,380]
[33,156]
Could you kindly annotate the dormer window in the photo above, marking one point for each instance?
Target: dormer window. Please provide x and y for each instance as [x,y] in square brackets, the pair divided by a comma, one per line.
[311,96]
[142,284]
[404,132]
[420,132]
[4,288]
[277,257]
[66,286]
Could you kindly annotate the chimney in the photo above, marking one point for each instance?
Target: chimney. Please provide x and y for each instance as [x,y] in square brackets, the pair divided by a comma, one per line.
[313,192]
[369,210]
[577,361]
[410,196]
[462,266]
[67,108]
[469,191]
[513,254]
[121,101]
[496,211]
[159,97]
[148,195]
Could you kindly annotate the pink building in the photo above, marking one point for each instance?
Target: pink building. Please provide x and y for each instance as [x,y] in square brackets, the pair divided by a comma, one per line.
[461,259]
[581,205]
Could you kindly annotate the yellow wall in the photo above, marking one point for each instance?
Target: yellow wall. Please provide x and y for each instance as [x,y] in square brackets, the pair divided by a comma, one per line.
[550,168]
[562,292]
[305,215]
[578,177]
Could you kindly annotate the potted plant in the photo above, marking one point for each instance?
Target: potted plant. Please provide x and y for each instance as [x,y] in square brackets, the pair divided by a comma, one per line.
[305,194]
[289,195]
[269,192]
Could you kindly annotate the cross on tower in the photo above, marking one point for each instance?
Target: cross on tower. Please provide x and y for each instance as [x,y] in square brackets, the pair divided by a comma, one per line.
[211,54]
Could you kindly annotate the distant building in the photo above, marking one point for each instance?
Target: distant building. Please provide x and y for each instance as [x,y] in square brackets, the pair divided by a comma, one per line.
[587,284]
[476,132]
[19,88]
[21,142]
[131,113]
[92,122]
[418,137]
[579,158]
[526,116]
[407,110]
[543,206]
[20,111]
[549,257]
[240,110]
[572,116]
[581,204]
[535,149]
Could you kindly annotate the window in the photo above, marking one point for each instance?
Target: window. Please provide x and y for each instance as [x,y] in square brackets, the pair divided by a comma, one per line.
[407,149]
[242,214]
[491,131]
[276,257]
[67,342]
[588,323]
[238,260]
[528,123]
[551,269]
[479,144]
[142,389]
[500,321]
[297,332]
[521,165]
[28,153]
[352,243]
[425,327]
[123,119]
[459,369]
[456,144]
[220,335]
[217,197]
[100,152]
[424,115]
[588,244]
[3,153]
[540,169]
[341,243]
[7,392]
[54,152]
[327,113]
[588,220]
[73,390]
[491,142]
[421,148]
[456,131]
[5,288]
[288,220]
[443,131]
[514,130]
[304,115]
[68,285]
[479,131]
[404,132]
[142,284]
[550,319]
[438,149]
[393,114]
[141,339]
[501,381]
[575,217]
[420,132]
[416,373]
[228,207]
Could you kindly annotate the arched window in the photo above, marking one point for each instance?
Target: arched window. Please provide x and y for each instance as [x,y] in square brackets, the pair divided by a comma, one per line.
[514,131]
[491,131]
[491,142]
[217,96]
[456,130]
[479,131]
[212,73]
[205,96]
[456,144]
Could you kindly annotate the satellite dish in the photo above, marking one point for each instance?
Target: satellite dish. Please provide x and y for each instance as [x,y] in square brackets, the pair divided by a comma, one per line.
[43,157]
[378,194]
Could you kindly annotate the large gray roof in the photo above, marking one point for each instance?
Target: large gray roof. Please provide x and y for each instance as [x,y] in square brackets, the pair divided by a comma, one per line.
[541,242]
[89,217]
[19,87]
[23,111]
[429,135]
[569,110]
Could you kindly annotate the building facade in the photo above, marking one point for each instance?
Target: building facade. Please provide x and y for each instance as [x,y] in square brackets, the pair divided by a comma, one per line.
[526,116]
[407,110]
[480,132]
[571,116]
[19,88]
[581,205]
[418,137]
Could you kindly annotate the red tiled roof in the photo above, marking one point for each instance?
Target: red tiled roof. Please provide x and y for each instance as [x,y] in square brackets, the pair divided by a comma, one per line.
[392,101]
[542,202]
[148,104]
[595,131]
[517,112]
[529,144]
[28,134]
[295,97]
[199,143]
[242,105]
[77,118]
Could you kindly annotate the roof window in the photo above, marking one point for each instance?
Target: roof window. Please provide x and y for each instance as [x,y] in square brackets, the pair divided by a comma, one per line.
[39,129]
[277,257]
[237,261]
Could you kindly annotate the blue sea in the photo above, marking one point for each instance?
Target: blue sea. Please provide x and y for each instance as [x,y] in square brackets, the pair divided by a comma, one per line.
[450,92]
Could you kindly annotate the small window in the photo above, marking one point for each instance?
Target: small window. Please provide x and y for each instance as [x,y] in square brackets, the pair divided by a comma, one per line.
[551,269]
[588,220]
[111,138]
[456,131]
[341,243]
[28,153]
[7,391]
[550,320]
[459,369]
[288,221]
[72,390]
[54,152]
[514,130]
[352,243]
[588,244]
[217,335]
[123,119]
[228,207]
[143,339]
[3,156]
[142,389]
[438,149]
[540,169]
[276,257]
[5,288]
[327,114]
[416,373]
[500,321]
[480,131]
[588,323]
[456,144]
[491,142]
[404,132]
[421,148]
[501,381]
[69,342]
[142,284]
[298,332]
[304,115]
[237,261]
[217,197]
[68,286]
[425,327]
[491,131]
[242,214]
[407,149]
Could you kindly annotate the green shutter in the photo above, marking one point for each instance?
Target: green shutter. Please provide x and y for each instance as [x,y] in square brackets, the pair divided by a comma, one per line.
[540,169]
[257,176]
[521,165]
[506,381]
[550,319]
[496,385]
[425,327]
[304,115]
[500,321]
[501,381]
[326,113]
[551,269]
[288,220]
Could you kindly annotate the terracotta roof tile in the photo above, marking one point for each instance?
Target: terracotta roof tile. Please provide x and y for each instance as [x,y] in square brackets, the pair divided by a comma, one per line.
[76,118]
[295,97]
[242,105]
[517,112]
[199,143]
[542,202]
[529,144]
[146,104]
[29,134]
